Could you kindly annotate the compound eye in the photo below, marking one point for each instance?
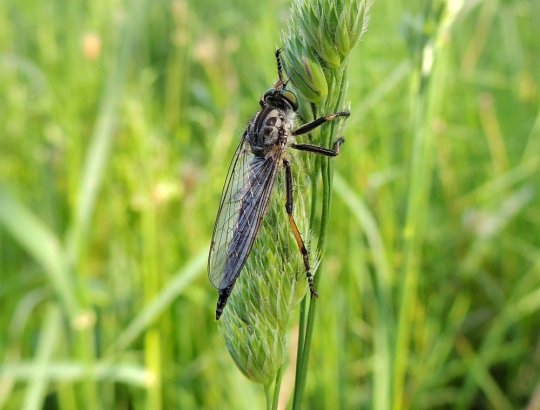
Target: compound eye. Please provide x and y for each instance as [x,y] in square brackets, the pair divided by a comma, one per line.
[268,93]
[291,98]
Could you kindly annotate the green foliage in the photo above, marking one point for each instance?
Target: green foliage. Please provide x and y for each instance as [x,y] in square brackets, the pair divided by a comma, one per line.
[117,124]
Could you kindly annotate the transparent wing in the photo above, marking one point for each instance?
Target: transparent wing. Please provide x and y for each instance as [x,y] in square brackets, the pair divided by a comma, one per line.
[244,200]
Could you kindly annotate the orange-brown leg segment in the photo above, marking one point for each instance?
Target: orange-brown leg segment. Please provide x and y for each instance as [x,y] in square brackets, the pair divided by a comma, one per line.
[296,232]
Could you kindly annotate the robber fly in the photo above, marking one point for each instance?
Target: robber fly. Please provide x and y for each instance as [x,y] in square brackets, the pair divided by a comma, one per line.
[260,155]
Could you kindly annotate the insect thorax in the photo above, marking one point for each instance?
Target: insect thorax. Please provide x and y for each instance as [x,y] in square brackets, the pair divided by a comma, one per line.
[271,127]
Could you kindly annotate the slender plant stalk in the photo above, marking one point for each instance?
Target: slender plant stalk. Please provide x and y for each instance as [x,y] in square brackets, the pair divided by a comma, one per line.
[326,170]
[316,48]
[425,45]
[268,396]
[312,222]
[277,387]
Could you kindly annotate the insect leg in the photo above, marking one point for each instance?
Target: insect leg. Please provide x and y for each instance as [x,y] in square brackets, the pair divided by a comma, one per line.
[319,121]
[315,149]
[296,232]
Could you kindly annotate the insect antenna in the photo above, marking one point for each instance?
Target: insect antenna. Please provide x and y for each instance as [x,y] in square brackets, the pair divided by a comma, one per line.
[281,80]
[279,65]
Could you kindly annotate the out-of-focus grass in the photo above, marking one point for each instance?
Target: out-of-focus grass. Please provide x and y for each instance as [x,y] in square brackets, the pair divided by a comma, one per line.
[117,123]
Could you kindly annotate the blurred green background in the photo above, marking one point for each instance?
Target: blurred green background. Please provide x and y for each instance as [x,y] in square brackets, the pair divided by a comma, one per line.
[117,124]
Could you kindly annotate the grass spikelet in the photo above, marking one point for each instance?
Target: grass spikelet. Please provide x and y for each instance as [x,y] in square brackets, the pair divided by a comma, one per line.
[271,284]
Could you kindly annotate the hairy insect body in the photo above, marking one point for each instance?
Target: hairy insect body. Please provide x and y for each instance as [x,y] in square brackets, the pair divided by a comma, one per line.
[268,134]
[270,131]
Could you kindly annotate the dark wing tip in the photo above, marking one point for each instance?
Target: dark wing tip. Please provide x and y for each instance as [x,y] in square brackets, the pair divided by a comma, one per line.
[223,296]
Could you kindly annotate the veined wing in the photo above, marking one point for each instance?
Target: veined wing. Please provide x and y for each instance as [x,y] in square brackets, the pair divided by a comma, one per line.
[244,200]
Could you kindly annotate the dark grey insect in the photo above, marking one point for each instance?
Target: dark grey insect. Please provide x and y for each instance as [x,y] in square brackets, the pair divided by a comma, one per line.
[261,153]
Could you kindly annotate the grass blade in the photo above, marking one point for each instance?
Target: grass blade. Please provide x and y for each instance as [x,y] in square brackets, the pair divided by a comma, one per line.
[35,393]
[40,242]
[162,302]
